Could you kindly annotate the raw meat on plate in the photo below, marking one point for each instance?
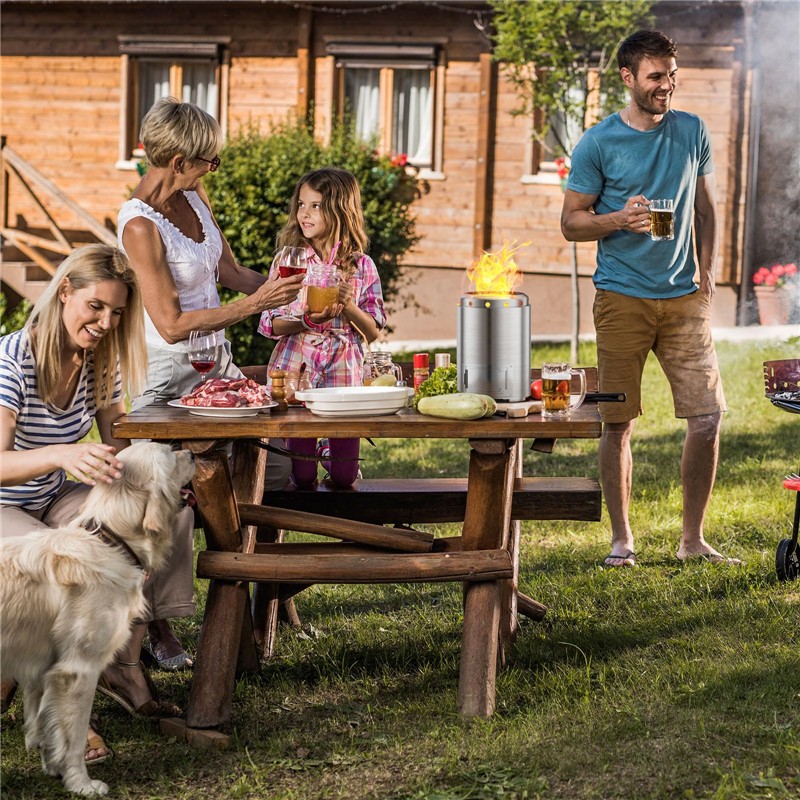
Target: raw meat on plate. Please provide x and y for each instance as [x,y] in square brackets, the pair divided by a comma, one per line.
[227,393]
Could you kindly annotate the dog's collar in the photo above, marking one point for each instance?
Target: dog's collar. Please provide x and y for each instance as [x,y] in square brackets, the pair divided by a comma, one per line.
[105,534]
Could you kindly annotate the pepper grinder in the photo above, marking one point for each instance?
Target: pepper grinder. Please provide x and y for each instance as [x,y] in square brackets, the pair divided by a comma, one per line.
[278,389]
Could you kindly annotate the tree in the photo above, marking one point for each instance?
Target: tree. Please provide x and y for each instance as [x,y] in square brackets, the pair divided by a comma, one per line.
[560,56]
[250,198]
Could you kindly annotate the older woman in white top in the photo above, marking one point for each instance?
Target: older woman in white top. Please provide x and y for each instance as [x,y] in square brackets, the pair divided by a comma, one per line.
[179,255]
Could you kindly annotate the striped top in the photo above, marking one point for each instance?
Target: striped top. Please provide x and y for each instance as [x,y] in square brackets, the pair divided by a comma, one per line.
[39,424]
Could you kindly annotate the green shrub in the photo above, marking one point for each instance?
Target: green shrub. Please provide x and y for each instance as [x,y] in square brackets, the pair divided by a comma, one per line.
[250,196]
[13,319]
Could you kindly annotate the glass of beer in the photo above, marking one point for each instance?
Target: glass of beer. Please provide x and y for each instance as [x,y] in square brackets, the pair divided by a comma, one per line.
[322,287]
[662,220]
[557,397]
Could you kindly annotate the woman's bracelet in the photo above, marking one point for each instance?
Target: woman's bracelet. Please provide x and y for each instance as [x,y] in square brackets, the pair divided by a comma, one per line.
[308,324]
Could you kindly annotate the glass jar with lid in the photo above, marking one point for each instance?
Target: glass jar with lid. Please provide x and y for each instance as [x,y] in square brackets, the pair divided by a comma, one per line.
[380,370]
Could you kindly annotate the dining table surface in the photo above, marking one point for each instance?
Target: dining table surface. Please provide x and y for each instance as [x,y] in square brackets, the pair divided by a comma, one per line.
[224,491]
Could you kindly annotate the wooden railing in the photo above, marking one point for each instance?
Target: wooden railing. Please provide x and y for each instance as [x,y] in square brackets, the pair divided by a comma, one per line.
[42,251]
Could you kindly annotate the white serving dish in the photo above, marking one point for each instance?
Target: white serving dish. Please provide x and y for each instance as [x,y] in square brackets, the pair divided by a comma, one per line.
[355,401]
[210,411]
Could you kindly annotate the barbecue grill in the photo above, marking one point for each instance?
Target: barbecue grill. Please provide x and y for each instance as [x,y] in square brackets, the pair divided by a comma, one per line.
[782,387]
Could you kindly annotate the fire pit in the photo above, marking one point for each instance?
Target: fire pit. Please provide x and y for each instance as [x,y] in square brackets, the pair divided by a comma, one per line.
[494,330]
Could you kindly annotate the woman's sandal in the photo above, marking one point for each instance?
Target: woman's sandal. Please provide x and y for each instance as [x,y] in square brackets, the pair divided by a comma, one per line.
[95,741]
[152,709]
[169,663]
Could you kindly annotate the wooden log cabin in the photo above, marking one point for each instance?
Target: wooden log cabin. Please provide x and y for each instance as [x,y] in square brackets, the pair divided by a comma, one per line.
[77,76]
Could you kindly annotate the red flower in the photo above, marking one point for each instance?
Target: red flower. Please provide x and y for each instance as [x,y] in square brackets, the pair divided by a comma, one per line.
[777,275]
[400,160]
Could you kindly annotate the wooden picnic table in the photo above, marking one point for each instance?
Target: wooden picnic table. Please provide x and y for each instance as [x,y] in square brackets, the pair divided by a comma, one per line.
[484,556]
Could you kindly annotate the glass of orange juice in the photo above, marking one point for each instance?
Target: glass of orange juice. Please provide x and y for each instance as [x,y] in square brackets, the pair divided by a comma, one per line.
[322,286]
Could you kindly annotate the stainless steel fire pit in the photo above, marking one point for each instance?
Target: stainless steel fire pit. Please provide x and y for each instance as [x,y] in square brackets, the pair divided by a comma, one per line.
[494,345]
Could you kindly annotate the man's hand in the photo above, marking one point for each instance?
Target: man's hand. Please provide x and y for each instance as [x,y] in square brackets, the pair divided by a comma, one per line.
[708,285]
[635,215]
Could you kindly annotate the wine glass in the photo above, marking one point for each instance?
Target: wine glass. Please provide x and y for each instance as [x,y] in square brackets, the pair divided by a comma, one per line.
[203,351]
[292,261]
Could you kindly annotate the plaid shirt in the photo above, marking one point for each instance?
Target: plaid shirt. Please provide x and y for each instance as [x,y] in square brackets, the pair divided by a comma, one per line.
[334,355]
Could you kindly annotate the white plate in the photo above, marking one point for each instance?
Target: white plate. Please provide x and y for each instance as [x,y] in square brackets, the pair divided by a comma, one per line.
[208,411]
[354,412]
[356,401]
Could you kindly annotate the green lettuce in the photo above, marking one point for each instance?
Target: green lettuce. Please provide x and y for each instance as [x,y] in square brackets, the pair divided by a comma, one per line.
[443,380]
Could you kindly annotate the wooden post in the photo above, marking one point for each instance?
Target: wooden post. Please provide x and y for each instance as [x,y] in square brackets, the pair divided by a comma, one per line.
[211,693]
[249,469]
[482,237]
[305,62]
[487,518]
[508,603]
[265,601]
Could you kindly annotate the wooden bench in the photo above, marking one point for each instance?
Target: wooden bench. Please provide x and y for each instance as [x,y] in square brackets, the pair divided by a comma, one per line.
[435,500]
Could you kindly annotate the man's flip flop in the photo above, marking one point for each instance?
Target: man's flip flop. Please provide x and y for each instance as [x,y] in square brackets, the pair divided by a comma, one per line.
[628,560]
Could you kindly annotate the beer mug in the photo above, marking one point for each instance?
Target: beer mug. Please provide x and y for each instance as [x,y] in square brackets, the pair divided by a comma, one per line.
[662,220]
[557,400]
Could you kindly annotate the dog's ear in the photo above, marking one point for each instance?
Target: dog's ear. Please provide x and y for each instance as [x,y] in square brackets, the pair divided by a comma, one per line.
[162,496]
[159,511]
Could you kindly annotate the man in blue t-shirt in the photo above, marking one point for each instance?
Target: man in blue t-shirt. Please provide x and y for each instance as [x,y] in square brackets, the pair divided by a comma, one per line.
[646,295]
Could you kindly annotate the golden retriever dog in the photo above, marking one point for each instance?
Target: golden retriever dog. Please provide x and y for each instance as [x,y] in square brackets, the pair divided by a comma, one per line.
[68,597]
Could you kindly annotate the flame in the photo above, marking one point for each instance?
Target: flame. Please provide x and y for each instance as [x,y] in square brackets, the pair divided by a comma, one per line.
[496,273]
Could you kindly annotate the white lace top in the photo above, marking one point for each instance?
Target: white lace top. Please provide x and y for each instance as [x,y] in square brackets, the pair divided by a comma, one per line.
[193,264]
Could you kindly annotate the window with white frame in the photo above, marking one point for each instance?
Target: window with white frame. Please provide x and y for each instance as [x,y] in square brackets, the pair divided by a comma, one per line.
[194,71]
[390,93]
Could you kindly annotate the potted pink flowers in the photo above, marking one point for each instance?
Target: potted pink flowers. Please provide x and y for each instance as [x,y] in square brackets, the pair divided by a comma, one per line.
[777,289]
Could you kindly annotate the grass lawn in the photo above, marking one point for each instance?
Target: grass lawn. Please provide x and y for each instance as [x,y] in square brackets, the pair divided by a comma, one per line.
[668,681]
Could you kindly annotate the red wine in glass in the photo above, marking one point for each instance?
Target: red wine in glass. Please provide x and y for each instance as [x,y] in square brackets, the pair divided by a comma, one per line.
[203,351]
[203,366]
[291,261]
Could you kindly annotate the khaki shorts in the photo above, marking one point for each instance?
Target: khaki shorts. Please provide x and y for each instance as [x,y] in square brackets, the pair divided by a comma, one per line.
[678,331]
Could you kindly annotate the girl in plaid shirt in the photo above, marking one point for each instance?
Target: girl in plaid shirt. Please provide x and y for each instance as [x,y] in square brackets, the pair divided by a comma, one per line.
[325,216]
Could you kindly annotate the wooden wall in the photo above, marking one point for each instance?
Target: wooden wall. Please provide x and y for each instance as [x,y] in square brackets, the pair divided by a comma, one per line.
[61,111]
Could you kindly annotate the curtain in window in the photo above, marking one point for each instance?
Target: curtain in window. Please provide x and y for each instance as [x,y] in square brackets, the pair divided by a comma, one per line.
[200,87]
[412,131]
[362,90]
[153,85]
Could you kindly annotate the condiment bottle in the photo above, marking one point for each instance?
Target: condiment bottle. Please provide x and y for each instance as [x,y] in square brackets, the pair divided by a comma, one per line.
[297,380]
[441,360]
[304,381]
[278,389]
[422,369]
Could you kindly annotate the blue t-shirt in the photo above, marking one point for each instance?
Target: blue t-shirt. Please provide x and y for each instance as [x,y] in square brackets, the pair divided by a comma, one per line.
[616,162]
[39,424]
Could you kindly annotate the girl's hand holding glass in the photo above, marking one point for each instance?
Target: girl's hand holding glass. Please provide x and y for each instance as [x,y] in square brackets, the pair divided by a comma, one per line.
[345,293]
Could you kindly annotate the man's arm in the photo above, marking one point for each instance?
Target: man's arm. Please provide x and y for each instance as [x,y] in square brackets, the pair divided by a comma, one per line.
[705,231]
[580,224]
